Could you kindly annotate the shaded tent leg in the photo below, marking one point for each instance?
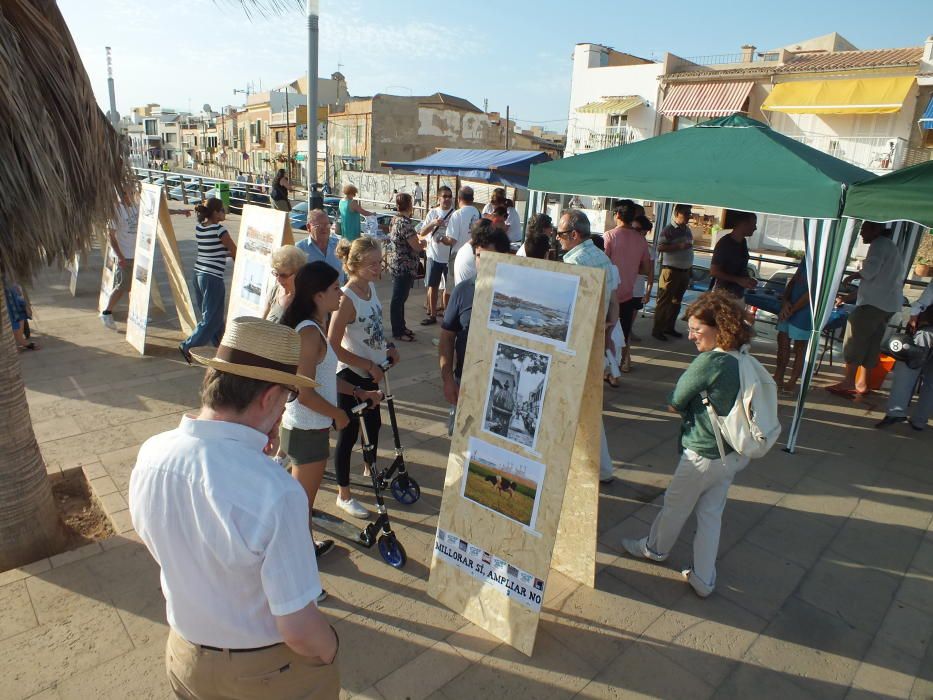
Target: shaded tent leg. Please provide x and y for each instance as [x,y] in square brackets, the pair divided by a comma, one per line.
[828,246]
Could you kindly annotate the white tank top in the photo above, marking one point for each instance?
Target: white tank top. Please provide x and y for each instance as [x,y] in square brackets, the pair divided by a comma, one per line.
[299,416]
[364,335]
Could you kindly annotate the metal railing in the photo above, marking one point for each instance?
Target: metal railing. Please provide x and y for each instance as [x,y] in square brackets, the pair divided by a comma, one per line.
[879,153]
[720,59]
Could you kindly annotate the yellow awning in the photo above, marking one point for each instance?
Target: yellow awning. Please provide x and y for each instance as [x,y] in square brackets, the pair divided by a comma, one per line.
[852,96]
[612,105]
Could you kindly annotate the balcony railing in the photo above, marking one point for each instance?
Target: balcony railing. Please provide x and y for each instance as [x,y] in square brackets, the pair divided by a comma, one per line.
[876,153]
[597,140]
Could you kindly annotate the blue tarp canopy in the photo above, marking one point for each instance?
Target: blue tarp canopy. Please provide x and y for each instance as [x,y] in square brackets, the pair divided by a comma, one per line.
[926,121]
[505,167]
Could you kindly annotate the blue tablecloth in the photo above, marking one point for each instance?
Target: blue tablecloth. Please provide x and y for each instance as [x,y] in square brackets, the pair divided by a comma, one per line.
[771,302]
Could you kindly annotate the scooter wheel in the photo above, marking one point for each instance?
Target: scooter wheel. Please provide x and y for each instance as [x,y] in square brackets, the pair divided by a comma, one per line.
[392,551]
[405,491]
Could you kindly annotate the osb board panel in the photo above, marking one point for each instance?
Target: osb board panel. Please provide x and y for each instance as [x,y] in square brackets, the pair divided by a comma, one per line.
[575,548]
[176,273]
[262,231]
[557,431]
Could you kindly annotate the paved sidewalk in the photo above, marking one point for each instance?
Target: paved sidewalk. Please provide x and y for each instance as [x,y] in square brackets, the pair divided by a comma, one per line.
[825,572]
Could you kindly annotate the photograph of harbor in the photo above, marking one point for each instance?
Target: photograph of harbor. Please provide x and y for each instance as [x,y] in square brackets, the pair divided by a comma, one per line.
[532,303]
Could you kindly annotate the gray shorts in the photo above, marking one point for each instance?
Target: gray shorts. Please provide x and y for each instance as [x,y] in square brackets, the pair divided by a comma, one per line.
[864,333]
[122,276]
[305,446]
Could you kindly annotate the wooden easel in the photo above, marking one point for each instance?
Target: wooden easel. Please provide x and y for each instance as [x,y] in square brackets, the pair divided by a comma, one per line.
[567,443]
[262,231]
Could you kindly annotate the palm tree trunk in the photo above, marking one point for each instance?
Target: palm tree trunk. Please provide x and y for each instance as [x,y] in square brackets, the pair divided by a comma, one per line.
[30,527]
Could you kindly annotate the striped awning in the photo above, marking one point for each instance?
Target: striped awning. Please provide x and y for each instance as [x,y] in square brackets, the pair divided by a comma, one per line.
[926,121]
[612,105]
[694,100]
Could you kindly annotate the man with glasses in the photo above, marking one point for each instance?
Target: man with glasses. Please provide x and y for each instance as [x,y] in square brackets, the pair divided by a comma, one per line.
[573,235]
[433,232]
[320,245]
[676,246]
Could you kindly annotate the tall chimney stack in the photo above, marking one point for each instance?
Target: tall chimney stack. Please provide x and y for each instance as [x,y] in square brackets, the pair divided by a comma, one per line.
[114,117]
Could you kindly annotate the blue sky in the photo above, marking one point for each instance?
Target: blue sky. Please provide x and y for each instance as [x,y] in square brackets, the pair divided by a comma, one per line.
[183,53]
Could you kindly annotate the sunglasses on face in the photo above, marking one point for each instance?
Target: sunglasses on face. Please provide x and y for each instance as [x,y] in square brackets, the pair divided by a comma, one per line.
[564,234]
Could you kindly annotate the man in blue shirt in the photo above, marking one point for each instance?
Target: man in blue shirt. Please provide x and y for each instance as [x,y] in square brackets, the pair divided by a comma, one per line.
[320,245]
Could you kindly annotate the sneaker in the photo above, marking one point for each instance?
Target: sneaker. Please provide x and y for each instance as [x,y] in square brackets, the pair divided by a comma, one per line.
[607,479]
[639,549]
[322,596]
[107,320]
[323,547]
[700,588]
[674,334]
[891,420]
[353,507]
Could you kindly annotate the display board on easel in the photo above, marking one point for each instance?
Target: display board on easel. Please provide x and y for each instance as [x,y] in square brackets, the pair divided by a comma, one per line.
[262,230]
[154,224]
[522,485]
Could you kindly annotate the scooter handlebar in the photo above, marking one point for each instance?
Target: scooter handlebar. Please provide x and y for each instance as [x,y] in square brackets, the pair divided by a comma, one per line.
[360,407]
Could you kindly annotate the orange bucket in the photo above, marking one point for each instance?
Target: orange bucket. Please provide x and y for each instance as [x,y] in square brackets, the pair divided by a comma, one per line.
[878,372]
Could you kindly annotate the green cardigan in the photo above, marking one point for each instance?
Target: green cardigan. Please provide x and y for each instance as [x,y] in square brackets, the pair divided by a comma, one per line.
[717,373]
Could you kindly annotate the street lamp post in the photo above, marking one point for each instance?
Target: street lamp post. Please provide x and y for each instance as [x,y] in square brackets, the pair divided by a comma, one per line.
[315,200]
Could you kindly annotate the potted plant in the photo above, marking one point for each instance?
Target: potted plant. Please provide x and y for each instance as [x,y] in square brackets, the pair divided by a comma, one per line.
[923,266]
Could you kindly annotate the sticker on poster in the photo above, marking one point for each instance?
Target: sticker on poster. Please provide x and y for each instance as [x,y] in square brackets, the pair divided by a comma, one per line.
[515,395]
[521,586]
[534,304]
[504,482]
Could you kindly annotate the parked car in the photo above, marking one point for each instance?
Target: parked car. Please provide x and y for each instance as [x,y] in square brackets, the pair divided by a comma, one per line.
[299,212]
[193,190]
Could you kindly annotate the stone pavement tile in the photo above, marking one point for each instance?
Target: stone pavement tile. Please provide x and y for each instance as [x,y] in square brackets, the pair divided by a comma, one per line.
[908,629]
[552,671]
[64,592]
[599,623]
[102,486]
[418,614]
[142,430]
[878,543]
[36,567]
[661,583]
[369,694]
[755,487]
[707,637]
[112,503]
[130,578]
[119,464]
[812,645]
[917,590]
[92,468]
[16,613]
[643,671]
[793,535]
[121,521]
[626,442]
[751,681]
[138,674]
[757,580]
[41,657]
[472,642]
[630,527]
[845,471]
[56,429]
[856,594]
[923,557]
[884,672]
[815,497]
[782,468]
[897,500]
[86,445]
[424,674]
[74,555]
[361,663]
[558,587]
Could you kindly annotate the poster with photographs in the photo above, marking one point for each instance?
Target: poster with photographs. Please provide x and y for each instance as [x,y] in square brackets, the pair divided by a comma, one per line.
[261,233]
[147,225]
[515,394]
[533,303]
[503,482]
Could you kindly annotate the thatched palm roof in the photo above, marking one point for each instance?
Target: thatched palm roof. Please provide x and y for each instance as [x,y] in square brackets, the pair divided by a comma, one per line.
[61,162]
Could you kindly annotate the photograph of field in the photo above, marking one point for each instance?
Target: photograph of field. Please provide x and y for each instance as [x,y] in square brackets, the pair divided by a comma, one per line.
[503,482]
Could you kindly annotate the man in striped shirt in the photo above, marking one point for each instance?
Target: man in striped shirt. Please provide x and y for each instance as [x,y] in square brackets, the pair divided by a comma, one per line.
[214,245]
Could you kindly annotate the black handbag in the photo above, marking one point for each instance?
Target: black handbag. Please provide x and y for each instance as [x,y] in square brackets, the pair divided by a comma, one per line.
[913,350]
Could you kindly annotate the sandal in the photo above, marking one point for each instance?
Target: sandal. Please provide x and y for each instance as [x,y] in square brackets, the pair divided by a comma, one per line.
[429,321]
[27,346]
[407,337]
[845,393]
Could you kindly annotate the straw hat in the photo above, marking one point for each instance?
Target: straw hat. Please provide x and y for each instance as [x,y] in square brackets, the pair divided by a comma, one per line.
[258,349]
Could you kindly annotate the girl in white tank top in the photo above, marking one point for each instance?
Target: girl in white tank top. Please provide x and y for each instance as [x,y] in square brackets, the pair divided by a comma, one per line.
[309,416]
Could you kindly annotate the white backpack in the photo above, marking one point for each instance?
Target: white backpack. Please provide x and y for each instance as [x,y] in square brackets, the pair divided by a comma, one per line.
[752,426]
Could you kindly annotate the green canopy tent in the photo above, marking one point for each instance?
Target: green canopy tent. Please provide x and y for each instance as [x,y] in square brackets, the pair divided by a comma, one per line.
[735,163]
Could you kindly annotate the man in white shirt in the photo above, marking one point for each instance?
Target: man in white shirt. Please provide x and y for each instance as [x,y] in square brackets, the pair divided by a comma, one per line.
[229,530]
[880,295]
[458,229]
[419,195]
[433,232]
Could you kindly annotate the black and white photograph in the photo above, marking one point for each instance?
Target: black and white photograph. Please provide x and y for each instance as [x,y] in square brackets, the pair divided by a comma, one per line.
[141,273]
[515,395]
[253,281]
[532,303]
